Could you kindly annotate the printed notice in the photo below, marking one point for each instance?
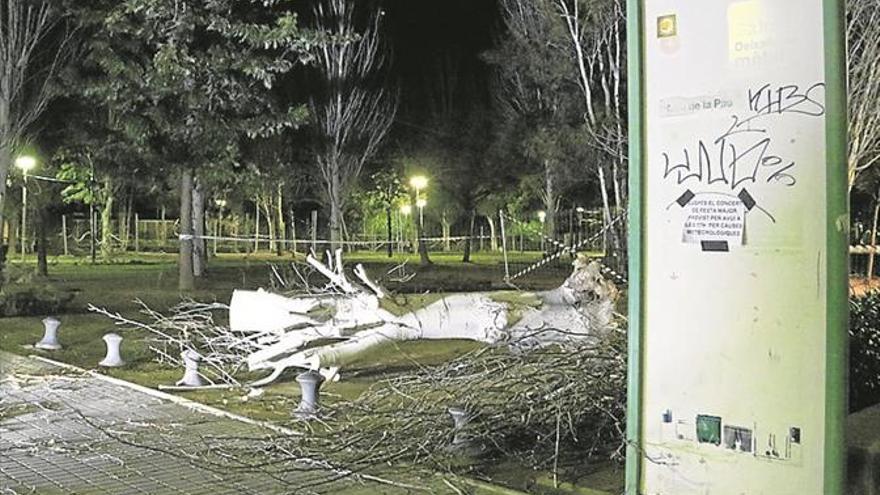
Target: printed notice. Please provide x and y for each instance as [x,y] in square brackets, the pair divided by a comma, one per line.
[718,219]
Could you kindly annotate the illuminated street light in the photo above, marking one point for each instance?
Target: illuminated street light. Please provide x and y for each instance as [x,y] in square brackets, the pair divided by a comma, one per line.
[418,182]
[26,164]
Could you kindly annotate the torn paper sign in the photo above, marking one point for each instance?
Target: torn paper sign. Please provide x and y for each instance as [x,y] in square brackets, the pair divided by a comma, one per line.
[714,219]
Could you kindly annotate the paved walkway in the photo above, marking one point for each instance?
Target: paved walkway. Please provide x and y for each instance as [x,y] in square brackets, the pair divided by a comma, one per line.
[69,433]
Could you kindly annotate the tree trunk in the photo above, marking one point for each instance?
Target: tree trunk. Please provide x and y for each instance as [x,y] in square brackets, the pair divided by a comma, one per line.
[872,255]
[199,247]
[186,279]
[444,224]
[124,220]
[93,231]
[266,204]
[493,238]
[335,213]
[281,228]
[388,226]
[550,200]
[107,222]
[468,240]
[14,223]
[5,163]
[611,245]
[42,262]
[420,236]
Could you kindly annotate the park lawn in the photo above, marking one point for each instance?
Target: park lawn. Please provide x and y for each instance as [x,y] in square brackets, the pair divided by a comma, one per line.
[152,278]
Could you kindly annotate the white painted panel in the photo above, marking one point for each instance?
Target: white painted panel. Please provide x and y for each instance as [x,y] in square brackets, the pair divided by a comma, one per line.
[735,237]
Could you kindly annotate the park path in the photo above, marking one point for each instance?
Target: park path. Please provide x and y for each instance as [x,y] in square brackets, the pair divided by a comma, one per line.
[64,432]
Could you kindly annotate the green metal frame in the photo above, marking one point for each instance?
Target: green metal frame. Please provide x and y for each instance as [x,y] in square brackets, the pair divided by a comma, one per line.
[837,195]
[634,31]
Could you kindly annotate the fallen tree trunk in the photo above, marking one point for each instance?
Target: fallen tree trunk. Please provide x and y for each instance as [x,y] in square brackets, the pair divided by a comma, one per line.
[353,315]
[323,328]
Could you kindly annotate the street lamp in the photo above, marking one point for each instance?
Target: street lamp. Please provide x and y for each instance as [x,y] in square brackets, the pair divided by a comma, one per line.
[418,183]
[421,203]
[26,164]
[406,211]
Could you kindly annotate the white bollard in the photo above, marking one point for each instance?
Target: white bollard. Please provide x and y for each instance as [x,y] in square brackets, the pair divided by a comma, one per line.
[460,419]
[50,336]
[310,385]
[113,359]
[463,442]
[191,376]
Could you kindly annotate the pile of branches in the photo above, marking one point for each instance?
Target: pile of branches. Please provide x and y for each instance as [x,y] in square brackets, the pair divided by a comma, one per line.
[549,409]
[191,325]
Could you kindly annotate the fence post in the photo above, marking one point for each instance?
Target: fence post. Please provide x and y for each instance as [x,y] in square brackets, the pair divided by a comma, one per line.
[163,229]
[137,233]
[504,246]
[217,231]
[64,234]
[292,222]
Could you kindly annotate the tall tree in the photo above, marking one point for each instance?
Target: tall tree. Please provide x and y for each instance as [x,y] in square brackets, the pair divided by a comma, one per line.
[355,106]
[473,162]
[34,41]
[387,191]
[191,79]
[596,39]
[534,85]
[560,70]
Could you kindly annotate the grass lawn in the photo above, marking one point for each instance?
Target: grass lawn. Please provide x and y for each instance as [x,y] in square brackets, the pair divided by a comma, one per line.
[152,278]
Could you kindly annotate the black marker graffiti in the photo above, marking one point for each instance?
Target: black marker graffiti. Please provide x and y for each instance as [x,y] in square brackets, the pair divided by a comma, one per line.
[743,152]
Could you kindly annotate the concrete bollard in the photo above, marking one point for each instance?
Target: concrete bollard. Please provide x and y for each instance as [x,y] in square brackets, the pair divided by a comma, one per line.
[113,359]
[50,335]
[460,419]
[310,386]
[191,376]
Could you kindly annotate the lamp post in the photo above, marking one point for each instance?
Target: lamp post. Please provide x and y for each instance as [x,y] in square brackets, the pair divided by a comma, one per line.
[406,211]
[421,203]
[418,183]
[26,164]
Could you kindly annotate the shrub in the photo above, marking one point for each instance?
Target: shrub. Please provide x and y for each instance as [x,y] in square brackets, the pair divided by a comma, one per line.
[864,349]
[25,295]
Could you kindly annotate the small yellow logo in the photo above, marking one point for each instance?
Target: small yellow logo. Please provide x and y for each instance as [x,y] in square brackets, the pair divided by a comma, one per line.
[667,26]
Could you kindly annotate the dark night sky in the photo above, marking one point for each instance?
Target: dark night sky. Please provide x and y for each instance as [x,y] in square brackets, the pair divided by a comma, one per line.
[422,31]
